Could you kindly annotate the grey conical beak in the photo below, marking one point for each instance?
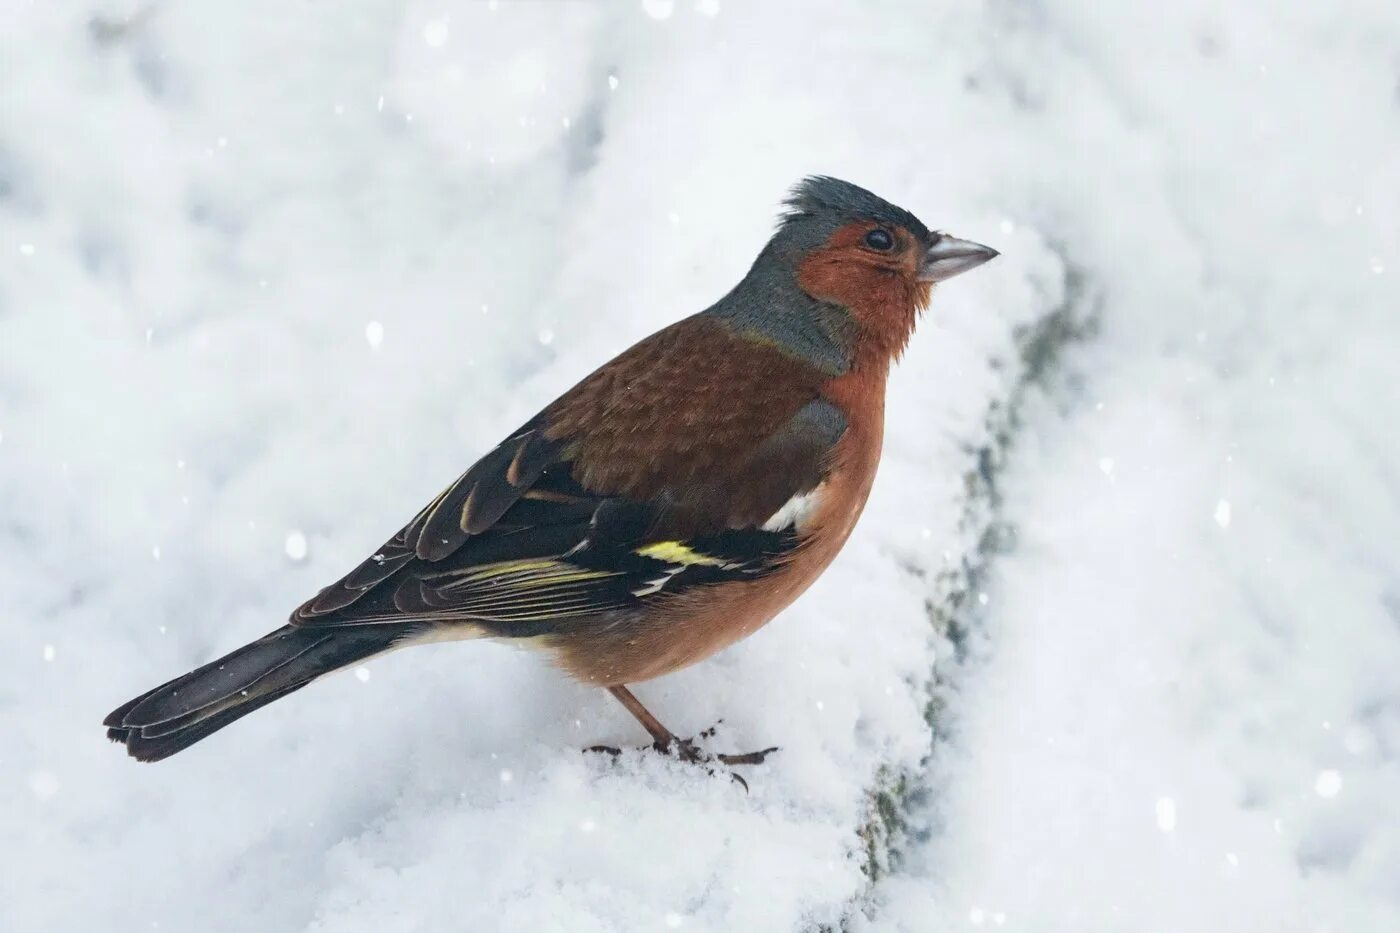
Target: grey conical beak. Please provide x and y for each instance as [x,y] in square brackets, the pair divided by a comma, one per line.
[950,256]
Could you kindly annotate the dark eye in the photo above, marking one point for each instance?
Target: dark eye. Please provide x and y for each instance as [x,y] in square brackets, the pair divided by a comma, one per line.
[879,239]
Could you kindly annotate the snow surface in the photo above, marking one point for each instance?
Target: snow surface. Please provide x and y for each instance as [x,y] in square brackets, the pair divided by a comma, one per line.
[271,274]
[1182,705]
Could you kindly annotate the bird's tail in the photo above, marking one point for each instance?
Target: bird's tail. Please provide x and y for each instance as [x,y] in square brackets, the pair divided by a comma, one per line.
[174,716]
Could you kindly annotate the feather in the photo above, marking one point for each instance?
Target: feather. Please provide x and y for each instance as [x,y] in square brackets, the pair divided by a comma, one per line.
[646,480]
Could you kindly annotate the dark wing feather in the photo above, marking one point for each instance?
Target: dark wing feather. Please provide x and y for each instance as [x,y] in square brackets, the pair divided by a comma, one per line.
[484,493]
[470,505]
[397,552]
[550,525]
[523,582]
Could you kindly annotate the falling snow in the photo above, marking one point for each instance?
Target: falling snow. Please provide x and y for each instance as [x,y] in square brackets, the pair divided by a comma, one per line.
[659,9]
[1166,814]
[435,33]
[1328,783]
[211,220]
[374,334]
[295,545]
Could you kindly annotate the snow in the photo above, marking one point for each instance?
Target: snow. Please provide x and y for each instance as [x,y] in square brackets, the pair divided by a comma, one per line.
[270,277]
[1180,709]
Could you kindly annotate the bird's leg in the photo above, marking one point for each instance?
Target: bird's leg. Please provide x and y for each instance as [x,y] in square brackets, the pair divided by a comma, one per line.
[662,737]
[665,741]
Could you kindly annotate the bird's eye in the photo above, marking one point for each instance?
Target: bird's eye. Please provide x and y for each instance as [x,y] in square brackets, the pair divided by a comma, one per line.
[879,239]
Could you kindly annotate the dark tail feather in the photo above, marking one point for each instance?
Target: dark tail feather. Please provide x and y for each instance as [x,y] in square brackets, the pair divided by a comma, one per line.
[174,716]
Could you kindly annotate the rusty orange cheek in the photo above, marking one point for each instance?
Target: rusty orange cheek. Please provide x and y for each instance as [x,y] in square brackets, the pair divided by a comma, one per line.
[882,293]
[851,278]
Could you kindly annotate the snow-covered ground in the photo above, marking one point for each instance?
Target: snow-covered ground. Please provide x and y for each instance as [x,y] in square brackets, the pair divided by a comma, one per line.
[1182,705]
[271,274]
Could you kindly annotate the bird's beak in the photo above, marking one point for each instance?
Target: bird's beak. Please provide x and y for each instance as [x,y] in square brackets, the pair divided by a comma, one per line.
[951,256]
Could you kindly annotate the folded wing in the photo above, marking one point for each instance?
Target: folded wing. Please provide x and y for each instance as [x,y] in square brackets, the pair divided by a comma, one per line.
[641,482]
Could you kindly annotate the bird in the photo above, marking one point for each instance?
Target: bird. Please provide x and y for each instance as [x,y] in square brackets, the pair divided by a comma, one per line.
[665,507]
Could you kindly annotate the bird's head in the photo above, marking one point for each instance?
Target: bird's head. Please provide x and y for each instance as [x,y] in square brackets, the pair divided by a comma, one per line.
[854,267]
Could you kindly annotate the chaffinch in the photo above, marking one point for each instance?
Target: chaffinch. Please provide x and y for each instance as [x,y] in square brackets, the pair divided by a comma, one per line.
[668,505]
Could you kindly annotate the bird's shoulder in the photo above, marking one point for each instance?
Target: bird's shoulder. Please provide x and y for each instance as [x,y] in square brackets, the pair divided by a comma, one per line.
[691,405]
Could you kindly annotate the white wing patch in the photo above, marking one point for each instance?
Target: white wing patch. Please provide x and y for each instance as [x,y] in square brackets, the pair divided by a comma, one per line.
[680,556]
[797,511]
[795,514]
[654,586]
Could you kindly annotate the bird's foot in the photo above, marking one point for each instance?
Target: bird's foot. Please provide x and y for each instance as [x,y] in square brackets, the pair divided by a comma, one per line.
[690,751]
[686,750]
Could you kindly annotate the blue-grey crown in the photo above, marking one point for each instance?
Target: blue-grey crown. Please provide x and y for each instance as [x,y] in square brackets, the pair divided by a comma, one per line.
[827,198]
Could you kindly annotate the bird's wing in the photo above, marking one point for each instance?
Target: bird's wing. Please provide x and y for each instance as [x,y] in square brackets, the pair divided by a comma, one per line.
[678,464]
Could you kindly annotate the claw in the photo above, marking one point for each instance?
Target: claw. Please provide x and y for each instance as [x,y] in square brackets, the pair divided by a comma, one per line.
[688,751]
[748,758]
[609,749]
